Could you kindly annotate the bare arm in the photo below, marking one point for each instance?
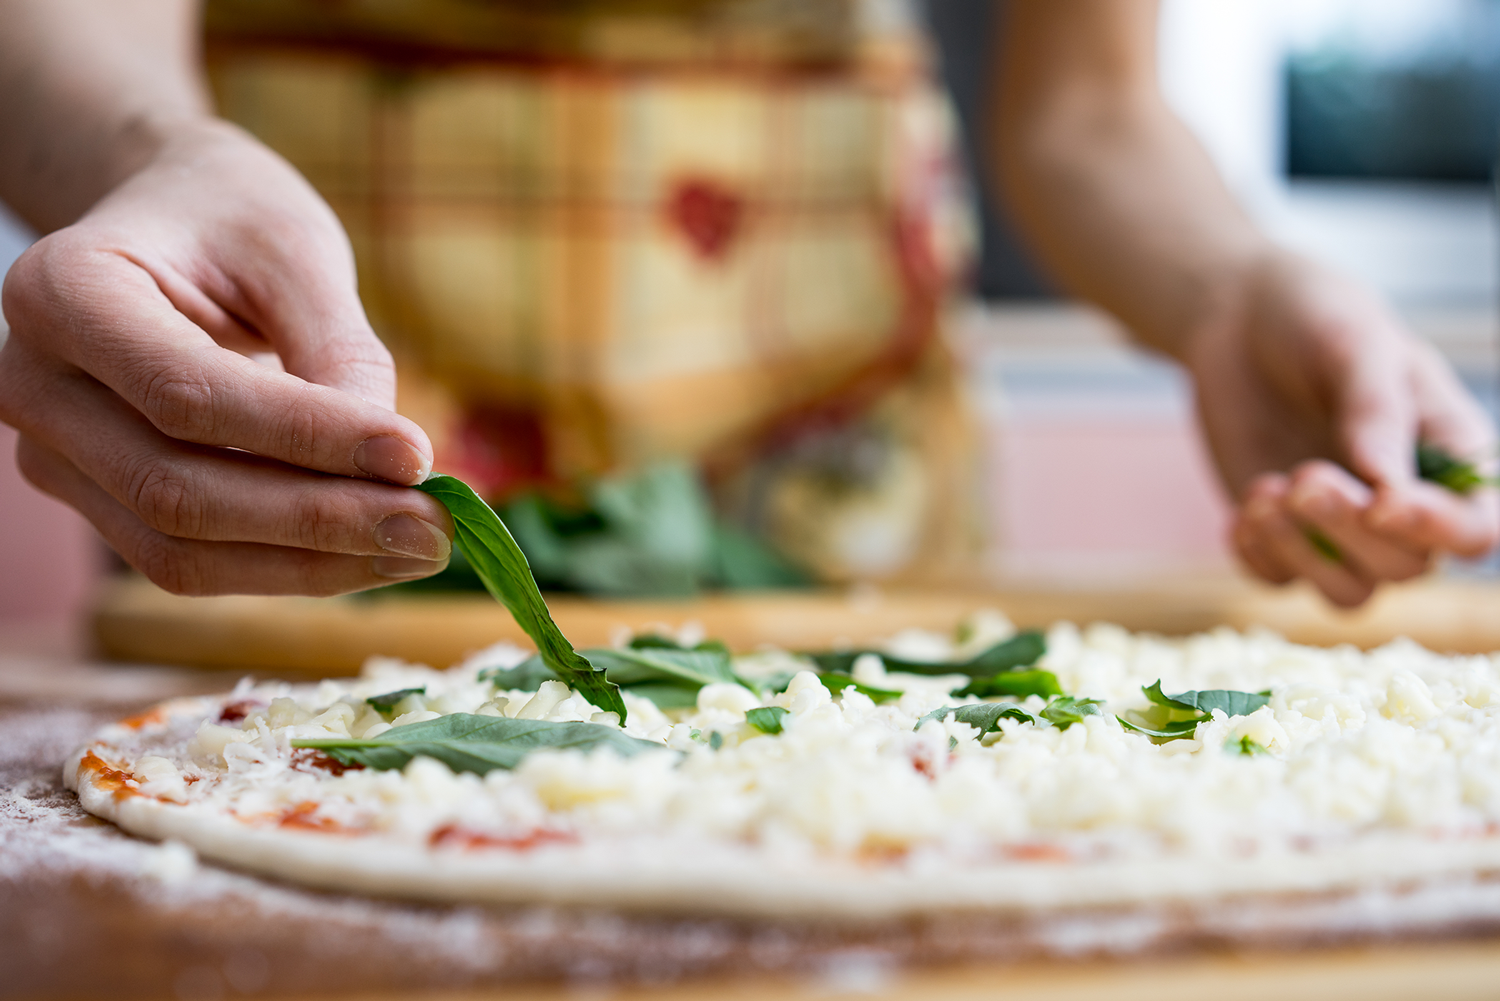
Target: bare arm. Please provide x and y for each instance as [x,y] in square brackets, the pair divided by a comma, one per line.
[1312,394]
[87,91]
[177,247]
[1109,186]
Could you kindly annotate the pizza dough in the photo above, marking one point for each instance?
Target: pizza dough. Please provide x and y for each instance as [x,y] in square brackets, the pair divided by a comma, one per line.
[1379,769]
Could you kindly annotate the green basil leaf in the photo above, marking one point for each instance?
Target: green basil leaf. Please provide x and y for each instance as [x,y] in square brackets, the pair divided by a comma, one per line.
[1021,650]
[665,694]
[1064,711]
[766,719]
[836,683]
[654,641]
[387,702]
[983,716]
[837,661]
[1172,731]
[1323,545]
[667,675]
[697,667]
[1015,683]
[1231,703]
[1246,746]
[469,743]
[488,545]
[526,676]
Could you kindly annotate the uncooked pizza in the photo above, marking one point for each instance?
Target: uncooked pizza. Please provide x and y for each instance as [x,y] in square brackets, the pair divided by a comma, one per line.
[988,771]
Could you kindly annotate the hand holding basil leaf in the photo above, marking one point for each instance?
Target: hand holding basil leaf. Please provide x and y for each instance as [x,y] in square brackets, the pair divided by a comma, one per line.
[489,548]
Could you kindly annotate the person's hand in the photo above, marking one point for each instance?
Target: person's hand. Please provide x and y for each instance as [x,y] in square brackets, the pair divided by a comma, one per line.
[1313,398]
[190,367]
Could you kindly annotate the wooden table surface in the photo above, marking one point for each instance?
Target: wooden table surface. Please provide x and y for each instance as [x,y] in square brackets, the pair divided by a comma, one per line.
[86,911]
[136,621]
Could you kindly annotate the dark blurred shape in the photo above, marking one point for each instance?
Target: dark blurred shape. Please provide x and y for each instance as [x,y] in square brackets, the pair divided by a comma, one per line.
[648,32]
[653,533]
[1432,114]
[964,31]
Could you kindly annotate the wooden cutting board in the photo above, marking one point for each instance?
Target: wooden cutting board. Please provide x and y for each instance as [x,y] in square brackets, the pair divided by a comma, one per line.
[136,621]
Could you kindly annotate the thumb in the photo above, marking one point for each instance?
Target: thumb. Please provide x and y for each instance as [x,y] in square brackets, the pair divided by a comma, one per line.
[306,305]
[1377,421]
[317,325]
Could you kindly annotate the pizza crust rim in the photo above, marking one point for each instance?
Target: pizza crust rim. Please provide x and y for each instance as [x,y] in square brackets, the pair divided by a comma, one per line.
[648,876]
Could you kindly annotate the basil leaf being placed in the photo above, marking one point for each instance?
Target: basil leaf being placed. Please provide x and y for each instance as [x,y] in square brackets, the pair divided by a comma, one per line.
[1018,683]
[387,702]
[1323,545]
[469,743]
[1437,466]
[1021,650]
[766,719]
[488,545]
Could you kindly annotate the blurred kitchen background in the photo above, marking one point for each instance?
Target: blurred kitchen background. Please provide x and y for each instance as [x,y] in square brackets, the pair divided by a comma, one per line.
[1361,131]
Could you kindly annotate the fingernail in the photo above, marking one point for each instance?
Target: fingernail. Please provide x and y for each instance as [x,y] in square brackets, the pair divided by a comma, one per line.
[392,459]
[411,536]
[401,567]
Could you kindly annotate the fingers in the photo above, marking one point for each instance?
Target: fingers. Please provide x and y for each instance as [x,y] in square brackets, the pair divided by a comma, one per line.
[193,567]
[202,568]
[316,324]
[1278,548]
[1449,415]
[1376,414]
[1427,515]
[1327,499]
[123,330]
[198,492]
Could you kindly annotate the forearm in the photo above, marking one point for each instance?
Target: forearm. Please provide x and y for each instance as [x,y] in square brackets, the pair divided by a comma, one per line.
[1110,188]
[88,90]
